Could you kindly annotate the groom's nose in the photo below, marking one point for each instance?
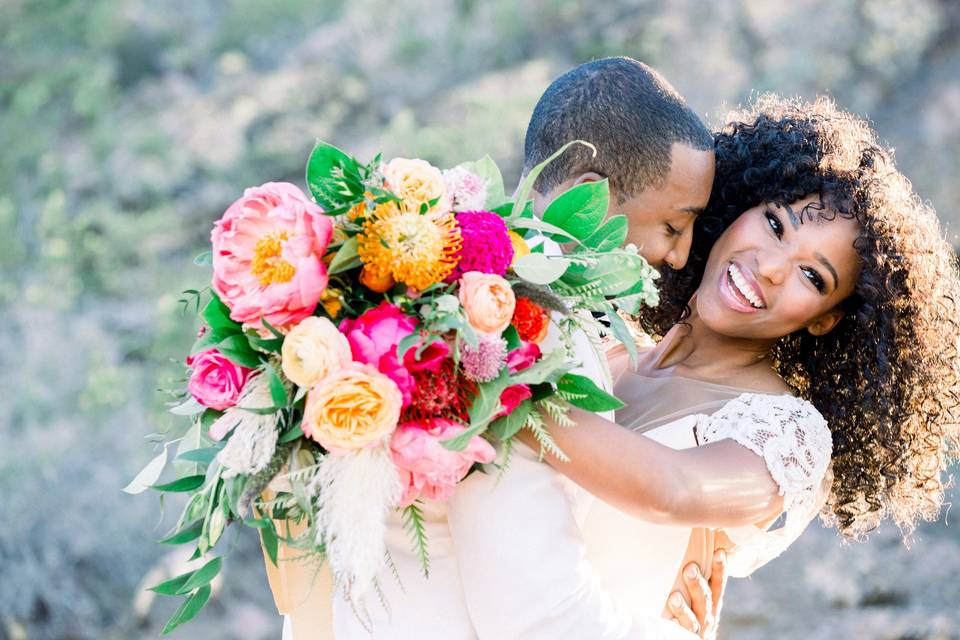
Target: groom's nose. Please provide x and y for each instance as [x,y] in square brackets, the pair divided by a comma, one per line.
[676,258]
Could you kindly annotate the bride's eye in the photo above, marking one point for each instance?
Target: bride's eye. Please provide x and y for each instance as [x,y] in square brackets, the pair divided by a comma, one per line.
[775,225]
[814,279]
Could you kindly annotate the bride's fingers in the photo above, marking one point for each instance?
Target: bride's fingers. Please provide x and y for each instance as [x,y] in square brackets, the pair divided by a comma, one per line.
[682,614]
[701,600]
[718,579]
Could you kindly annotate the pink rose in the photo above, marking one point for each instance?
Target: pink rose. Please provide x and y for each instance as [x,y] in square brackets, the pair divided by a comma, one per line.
[511,397]
[216,382]
[374,337]
[426,467]
[523,357]
[267,255]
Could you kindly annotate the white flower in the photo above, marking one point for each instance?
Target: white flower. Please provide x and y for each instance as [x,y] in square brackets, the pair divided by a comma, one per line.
[466,190]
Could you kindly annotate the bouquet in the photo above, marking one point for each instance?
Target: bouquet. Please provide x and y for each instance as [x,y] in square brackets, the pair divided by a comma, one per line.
[367,348]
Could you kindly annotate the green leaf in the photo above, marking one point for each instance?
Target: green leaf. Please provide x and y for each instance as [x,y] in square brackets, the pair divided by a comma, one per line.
[615,272]
[189,609]
[413,524]
[586,394]
[148,475]
[346,257]
[537,268]
[553,364]
[180,485]
[278,393]
[237,349]
[204,258]
[485,405]
[291,435]
[233,491]
[609,236]
[332,193]
[202,576]
[554,232]
[203,455]
[189,407]
[526,186]
[487,169]
[512,337]
[172,587]
[217,316]
[579,210]
[188,533]
[269,537]
[507,426]
[622,333]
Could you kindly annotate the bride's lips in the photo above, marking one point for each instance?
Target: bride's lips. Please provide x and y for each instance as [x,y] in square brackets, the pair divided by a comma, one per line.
[730,294]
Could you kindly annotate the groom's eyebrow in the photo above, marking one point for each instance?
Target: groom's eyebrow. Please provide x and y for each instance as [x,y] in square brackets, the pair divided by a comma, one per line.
[694,211]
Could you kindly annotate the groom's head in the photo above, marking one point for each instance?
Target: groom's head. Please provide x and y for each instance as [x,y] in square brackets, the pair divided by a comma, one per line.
[653,149]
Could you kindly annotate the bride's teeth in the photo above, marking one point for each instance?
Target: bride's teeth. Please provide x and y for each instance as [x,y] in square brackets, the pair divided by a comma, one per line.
[743,287]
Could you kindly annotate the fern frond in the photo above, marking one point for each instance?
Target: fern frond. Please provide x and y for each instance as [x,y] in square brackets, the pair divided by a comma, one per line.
[413,525]
[535,424]
[558,410]
[507,457]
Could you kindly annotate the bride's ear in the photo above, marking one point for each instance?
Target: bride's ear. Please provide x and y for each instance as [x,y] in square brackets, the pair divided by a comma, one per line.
[824,323]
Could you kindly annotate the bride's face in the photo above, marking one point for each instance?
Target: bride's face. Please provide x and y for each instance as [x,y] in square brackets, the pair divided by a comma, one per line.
[778,269]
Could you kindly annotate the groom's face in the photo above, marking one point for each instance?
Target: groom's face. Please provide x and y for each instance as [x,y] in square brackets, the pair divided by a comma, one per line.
[660,218]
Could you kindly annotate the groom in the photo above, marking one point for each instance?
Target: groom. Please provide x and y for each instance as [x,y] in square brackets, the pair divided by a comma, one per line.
[658,158]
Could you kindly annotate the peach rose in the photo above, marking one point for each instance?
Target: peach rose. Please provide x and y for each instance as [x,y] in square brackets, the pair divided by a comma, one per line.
[352,408]
[312,350]
[415,182]
[488,300]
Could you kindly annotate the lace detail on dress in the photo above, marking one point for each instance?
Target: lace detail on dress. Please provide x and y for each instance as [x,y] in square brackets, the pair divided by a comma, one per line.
[787,432]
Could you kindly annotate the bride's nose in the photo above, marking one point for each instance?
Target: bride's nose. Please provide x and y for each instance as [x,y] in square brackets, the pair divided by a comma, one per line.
[772,265]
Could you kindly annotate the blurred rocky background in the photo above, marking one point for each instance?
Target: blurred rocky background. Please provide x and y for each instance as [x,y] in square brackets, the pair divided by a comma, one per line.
[127,126]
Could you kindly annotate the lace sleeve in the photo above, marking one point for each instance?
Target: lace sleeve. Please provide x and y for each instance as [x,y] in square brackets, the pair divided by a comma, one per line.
[793,439]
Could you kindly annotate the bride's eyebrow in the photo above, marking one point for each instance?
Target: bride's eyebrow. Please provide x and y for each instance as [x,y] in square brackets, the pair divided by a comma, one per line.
[829,267]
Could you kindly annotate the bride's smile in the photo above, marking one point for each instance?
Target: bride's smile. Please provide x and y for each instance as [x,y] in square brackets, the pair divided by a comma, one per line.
[772,273]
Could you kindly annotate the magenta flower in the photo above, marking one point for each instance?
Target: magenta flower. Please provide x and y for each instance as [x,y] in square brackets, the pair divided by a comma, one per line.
[216,382]
[486,245]
[483,362]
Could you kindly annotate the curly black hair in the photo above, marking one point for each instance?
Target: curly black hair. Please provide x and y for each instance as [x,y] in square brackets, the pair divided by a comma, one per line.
[887,378]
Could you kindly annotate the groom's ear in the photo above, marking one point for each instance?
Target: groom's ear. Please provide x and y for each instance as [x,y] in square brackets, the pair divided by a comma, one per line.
[824,323]
[589,176]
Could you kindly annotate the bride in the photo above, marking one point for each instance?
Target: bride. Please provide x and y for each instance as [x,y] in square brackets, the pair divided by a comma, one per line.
[809,364]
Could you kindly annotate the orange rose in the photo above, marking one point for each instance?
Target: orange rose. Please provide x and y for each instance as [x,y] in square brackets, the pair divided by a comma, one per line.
[520,247]
[352,408]
[488,300]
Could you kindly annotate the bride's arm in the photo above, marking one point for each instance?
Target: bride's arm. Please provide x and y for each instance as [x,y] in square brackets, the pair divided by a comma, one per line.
[721,484]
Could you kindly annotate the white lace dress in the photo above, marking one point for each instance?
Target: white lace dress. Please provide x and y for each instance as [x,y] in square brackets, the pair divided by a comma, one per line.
[637,562]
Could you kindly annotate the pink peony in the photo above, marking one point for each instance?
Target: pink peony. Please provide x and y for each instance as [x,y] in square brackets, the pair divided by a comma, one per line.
[511,397]
[374,337]
[523,357]
[466,190]
[486,246]
[267,255]
[427,468]
[216,382]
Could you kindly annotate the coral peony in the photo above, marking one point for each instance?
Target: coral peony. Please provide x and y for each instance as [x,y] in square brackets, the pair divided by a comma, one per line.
[488,301]
[374,337]
[216,382]
[354,407]
[530,321]
[313,350]
[466,191]
[486,247]
[427,468]
[267,255]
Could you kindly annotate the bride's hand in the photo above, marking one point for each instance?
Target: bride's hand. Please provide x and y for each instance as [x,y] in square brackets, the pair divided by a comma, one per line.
[702,616]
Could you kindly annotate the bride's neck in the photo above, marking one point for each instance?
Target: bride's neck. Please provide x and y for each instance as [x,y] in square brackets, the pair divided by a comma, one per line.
[695,349]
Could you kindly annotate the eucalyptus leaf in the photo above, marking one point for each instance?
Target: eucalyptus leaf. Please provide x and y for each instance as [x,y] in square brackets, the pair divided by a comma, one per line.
[204,259]
[615,272]
[622,333]
[537,268]
[553,364]
[203,455]
[148,475]
[610,235]
[555,232]
[189,407]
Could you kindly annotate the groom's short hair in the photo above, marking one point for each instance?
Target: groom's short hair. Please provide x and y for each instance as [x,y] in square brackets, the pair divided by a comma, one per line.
[628,111]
